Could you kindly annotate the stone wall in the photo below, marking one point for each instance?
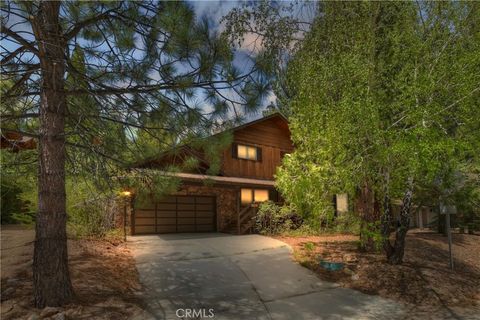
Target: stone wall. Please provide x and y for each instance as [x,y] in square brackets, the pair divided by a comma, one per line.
[226,199]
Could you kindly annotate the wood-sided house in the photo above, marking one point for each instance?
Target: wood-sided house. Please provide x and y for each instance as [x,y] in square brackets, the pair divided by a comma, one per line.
[228,202]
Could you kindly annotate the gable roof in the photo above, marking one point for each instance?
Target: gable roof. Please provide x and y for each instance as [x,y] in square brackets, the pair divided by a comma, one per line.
[275,115]
[282,121]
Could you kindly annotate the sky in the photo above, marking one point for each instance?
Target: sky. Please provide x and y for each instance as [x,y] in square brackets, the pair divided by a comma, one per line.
[214,10]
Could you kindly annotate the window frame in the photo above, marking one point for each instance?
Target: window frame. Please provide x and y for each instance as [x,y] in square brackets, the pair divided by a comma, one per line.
[258,152]
[252,195]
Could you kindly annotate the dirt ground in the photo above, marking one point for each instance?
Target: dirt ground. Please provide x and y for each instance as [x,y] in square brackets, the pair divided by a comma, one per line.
[103,276]
[424,281]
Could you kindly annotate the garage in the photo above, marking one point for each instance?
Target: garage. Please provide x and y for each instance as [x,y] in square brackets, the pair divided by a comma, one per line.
[174,214]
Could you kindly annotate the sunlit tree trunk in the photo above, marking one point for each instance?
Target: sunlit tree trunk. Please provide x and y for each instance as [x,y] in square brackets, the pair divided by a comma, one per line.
[51,279]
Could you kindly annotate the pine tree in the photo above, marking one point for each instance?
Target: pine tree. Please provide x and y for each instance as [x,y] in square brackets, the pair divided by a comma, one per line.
[94,74]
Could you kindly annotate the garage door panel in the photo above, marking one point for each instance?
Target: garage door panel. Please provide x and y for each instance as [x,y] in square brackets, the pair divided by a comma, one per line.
[204,214]
[166,229]
[144,229]
[176,214]
[166,214]
[186,214]
[144,214]
[162,221]
[205,228]
[145,221]
[186,206]
[204,200]
[205,220]
[166,206]
[204,207]
[186,228]
[186,200]
[186,220]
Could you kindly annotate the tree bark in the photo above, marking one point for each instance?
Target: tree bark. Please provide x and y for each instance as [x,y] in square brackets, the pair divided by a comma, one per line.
[51,279]
[386,223]
[396,256]
[370,214]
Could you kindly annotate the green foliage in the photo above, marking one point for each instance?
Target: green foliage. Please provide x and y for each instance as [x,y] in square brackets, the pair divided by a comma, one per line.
[18,187]
[309,247]
[90,208]
[348,222]
[150,185]
[274,219]
[212,148]
[370,234]
[88,220]
[382,89]
[13,208]
[140,78]
[11,203]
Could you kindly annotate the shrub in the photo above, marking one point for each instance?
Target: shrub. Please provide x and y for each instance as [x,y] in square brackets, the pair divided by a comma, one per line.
[274,219]
[94,218]
[14,209]
[347,222]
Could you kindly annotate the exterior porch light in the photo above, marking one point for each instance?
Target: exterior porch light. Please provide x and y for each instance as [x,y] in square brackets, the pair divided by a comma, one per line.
[126,195]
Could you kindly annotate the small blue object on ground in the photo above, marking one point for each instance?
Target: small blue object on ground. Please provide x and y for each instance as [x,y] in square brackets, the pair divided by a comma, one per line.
[331,266]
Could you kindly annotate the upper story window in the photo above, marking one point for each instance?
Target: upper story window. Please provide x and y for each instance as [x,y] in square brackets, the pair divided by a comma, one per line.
[242,151]
[246,152]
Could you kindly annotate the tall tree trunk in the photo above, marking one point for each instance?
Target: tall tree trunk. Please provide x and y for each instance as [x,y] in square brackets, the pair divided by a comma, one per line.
[396,251]
[370,214]
[51,279]
[386,222]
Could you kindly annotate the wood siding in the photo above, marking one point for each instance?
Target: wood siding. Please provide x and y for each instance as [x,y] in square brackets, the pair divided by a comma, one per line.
[272,136]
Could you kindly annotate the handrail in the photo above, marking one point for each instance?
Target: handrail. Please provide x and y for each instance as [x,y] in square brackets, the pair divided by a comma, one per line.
[241,213]
[245,214]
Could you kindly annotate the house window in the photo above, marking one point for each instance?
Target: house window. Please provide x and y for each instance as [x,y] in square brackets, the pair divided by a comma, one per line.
[260,195]
[249,196]
[247,152]
[246,196]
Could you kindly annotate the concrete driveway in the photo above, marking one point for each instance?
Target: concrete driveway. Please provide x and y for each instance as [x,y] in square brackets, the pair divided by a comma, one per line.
[241,277]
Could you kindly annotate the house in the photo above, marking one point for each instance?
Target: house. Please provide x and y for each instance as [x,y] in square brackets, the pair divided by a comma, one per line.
[229,200]
[15,141]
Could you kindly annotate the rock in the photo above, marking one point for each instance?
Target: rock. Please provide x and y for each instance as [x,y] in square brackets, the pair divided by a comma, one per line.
[350,258]
[12,281]
[59,316]
[348,271]
[355,277]
[33,316]
[49,311]
[7,292]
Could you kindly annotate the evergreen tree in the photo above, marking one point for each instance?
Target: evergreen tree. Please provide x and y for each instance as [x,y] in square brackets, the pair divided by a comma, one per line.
[94,75]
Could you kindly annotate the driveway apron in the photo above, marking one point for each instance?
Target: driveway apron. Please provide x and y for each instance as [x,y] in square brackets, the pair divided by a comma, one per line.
[194,276]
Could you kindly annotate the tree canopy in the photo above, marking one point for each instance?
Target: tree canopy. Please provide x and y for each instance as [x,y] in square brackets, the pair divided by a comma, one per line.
[96,83]
[386,96]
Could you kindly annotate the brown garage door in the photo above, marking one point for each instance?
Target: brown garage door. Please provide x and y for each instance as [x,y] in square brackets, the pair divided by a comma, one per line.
[176,214]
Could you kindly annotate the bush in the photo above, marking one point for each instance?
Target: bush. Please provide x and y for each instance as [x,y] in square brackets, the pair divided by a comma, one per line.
[93,218]
[274,219]
[13,208]
[347,222]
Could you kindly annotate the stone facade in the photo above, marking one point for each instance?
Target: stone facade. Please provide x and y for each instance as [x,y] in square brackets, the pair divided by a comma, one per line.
[226,200]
